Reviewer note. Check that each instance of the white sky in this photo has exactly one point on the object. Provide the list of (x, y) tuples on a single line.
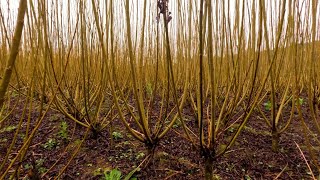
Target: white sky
[(9, 11)]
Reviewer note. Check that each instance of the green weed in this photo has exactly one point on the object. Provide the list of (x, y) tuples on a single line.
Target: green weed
[(177, 123), (140, 155), (112, 175), (8, 129), (63, 132), (117, 135), (50, 144), (39, 166), (267, 105)]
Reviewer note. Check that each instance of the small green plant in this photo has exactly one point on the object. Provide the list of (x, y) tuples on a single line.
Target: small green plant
[(4, 140), (42, 170), (117, 135), (22, 136), (231, 130), (301, 101), (177, 123), (140, 155), (267, 105), (149, 89), (216, 177), (14, 94), (39, 166), (114, 174), (27, 166), (50, 144), (247, 177), (8, 129), (63, 132)]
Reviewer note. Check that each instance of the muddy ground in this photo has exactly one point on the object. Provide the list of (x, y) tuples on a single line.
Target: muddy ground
[(175, 158)]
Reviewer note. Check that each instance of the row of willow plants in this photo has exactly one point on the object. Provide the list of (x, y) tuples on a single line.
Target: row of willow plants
[(19, 91), (94, 68), (30, 89)]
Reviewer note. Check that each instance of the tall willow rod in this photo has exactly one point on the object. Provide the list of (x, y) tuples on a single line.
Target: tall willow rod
[(14, 50)]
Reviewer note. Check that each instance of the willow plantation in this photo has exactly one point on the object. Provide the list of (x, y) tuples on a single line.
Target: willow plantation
[(159, 89)]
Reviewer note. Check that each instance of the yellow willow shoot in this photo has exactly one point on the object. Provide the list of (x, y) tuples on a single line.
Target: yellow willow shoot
[(132, 131), (275, 112), (313, 78), (29, 133), (137, 94), (83, 94), (237, 87), (13, 51), (313, 88), (148, 135)]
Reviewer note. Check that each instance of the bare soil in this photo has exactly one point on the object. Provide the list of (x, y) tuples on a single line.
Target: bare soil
[(175, 158)]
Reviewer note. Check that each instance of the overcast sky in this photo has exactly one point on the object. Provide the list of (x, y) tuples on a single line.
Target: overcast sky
[(178, 23)]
